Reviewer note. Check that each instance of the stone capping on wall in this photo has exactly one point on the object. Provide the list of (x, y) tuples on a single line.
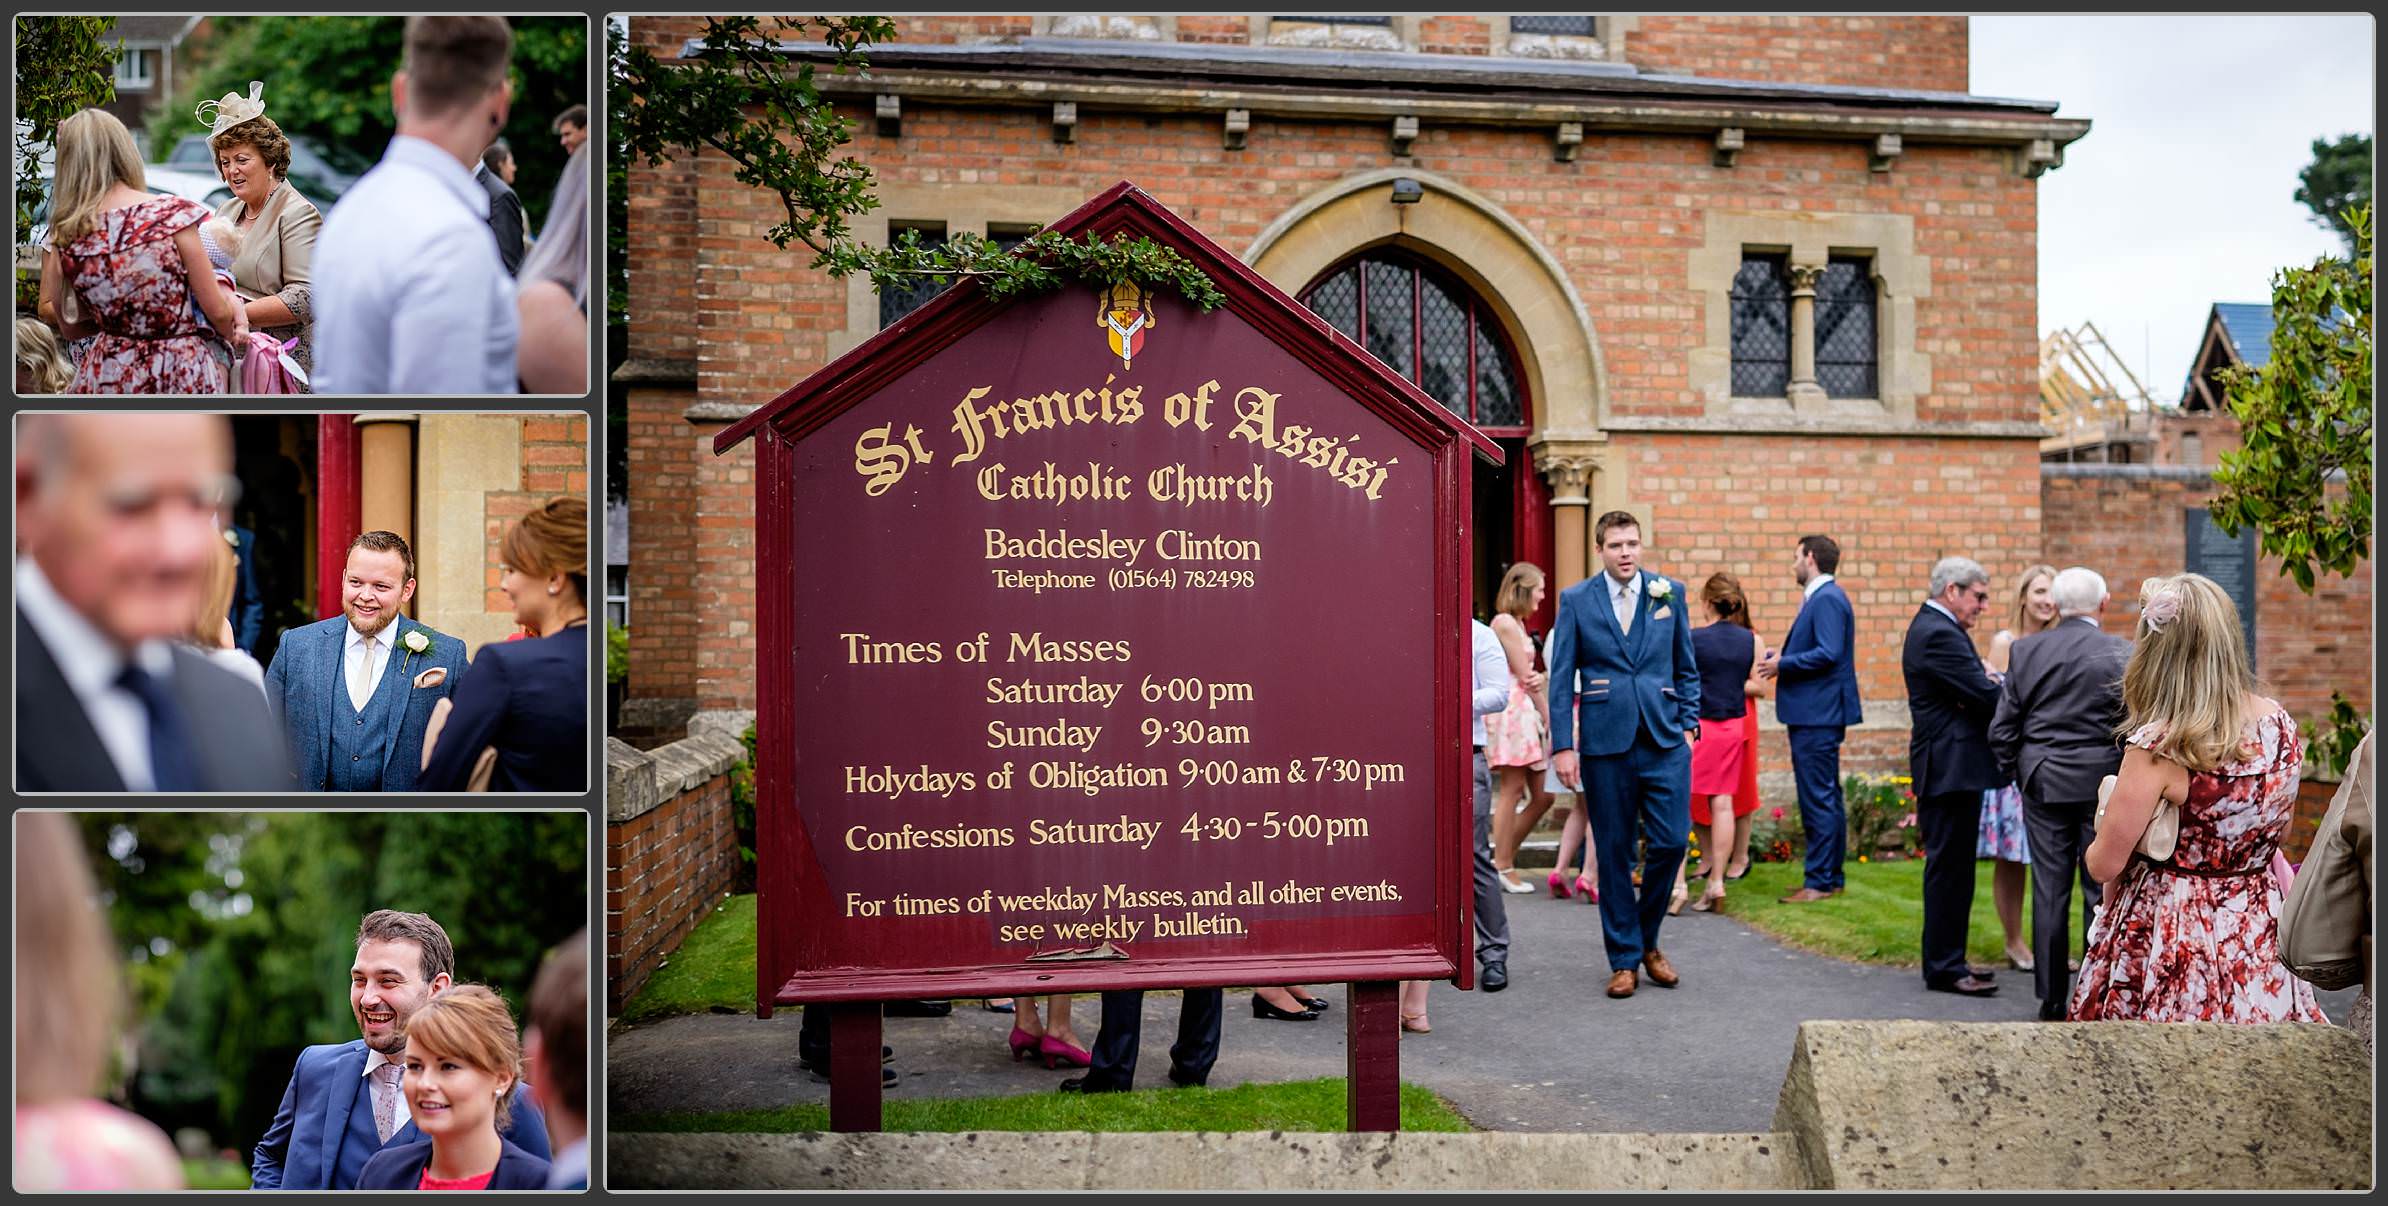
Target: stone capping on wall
[(638, 781), (654, 373), (1864, 1105), (2195, 475)]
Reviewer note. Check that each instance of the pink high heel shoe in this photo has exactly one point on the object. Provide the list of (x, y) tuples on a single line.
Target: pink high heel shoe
[(1590, 890), (1559, 889), (1025, 1044), (1059, 1054)]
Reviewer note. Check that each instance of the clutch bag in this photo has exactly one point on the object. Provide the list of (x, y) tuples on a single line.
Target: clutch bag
[(2163, 833)]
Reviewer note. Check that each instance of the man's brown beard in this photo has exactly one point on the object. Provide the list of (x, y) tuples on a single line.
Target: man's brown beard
[(389, 616)]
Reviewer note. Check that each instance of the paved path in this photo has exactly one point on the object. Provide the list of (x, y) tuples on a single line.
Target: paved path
[(1549, 1054)]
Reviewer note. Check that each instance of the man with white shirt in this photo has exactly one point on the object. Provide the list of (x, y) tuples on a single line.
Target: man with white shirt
[(117, 521), (1817, 702), (1951, 699), (1621, 649), (411, 296), (355, 692), (347, 1101), (1489, 693)]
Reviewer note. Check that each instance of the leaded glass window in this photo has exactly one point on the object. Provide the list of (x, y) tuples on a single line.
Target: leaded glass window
[(1429, 327), (1762, 327), (1565, 27), (1846, 350), (901, 299)]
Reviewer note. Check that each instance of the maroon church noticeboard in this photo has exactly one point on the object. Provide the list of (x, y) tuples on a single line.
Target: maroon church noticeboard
[(1103, 643)]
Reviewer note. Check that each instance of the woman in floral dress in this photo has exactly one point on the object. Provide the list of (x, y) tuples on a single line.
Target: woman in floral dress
[(124, 267), (2194, 938)]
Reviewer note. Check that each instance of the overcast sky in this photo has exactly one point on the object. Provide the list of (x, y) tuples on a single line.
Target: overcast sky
[(2183, 194)]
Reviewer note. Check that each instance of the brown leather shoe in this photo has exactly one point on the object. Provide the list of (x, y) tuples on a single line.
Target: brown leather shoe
[(1971, 986), (1807, 895), (1621, 983), (1662, 973)]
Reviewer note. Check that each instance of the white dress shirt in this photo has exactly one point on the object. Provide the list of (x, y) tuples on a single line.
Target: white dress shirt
[(351, 642), (410, 295), (90, 663), (1814, 584), (1623, 596), (1490, 692), (1936, 605)]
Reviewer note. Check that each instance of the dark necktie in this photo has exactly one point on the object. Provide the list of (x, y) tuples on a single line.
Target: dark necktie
[(172, 766)]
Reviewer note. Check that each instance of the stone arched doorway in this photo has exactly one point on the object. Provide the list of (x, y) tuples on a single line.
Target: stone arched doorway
[(1429, 326), (1524, 300)]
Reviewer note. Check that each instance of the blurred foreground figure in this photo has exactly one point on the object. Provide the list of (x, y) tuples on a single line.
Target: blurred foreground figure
[(117, 520), (66, 1007)]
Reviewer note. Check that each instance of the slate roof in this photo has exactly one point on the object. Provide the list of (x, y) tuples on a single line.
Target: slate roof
[(2250, 329), (149, 31)]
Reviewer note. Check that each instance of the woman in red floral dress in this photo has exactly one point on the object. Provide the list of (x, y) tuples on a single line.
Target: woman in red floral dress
[(124, 266), (2194, 938)]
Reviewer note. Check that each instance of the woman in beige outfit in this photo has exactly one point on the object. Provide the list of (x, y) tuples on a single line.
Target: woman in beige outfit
[(2325, 925), (277, 225)]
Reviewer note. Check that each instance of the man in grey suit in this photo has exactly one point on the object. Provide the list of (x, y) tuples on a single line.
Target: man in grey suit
[(2054, 735), (117, 520)]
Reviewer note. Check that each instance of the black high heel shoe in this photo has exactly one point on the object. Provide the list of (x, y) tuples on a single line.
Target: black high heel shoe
[(1314, 1004), (1262, 1009)]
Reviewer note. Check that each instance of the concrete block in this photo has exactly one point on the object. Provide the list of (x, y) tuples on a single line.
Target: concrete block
[(2087, 1105), (1255, 1160), (629, 782)]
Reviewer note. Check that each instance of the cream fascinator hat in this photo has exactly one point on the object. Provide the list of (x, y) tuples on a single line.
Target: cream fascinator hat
[(222, 115)]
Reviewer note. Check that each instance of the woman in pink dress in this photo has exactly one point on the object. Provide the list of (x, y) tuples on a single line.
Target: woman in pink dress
[(1515, 739), (2194, 938), (124, 267), (68, 1001)]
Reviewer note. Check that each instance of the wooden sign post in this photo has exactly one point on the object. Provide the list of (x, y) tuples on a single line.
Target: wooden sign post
[(1107, 644)]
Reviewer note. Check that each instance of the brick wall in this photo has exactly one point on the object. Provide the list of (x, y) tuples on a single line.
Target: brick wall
[(1927, 53), (671, 850), (555, 463), (2131, 527)]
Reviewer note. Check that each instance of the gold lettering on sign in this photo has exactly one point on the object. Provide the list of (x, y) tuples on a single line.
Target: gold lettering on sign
[(882, 462)]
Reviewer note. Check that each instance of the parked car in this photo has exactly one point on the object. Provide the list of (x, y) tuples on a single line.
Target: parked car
[(316, 175), (164, 181)]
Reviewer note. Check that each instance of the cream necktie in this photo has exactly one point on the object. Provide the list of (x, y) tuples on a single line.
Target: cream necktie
[(360, 674), (385, 1100), (1623, 601)]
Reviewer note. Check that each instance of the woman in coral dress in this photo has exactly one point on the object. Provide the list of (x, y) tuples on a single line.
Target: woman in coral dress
[(125, 267), (2194, 938)]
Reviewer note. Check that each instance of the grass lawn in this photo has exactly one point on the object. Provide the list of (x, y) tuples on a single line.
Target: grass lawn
[(1307, 1105), (712, 972), (212, 1173), (1879, 919)]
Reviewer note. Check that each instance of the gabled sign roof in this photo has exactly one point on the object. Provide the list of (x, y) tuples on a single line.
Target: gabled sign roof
[(1122, 209)]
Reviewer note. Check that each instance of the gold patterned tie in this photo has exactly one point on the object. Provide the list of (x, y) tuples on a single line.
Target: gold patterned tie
[(385, 1100)]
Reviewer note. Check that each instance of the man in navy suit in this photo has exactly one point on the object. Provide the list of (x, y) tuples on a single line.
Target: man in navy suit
[(248, 610), (355, 692), (1953, 700), (1817, 702), (344, 1102), (1622, 642)]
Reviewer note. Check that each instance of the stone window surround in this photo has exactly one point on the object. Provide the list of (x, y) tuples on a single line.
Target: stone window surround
[(964, 208), (1900, 278), (1070, 25)]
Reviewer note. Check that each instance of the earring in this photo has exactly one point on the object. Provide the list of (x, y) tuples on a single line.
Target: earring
[(553, 591)]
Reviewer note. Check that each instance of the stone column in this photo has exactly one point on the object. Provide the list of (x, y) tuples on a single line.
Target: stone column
[(386, 479), (1804, 389), (1569, 479)]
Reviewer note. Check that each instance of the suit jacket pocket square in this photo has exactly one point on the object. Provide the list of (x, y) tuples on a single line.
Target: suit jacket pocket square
[(432, 677), (1662, 613)]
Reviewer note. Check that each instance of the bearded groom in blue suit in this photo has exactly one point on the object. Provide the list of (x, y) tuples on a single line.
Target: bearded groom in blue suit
[(355, 692), (1622, 646)]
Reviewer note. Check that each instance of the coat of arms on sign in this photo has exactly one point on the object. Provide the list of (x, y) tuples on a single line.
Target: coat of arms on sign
[(1126, 314)]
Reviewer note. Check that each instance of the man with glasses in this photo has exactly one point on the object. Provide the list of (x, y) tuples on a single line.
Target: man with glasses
[(1952, 698), (118, 518)]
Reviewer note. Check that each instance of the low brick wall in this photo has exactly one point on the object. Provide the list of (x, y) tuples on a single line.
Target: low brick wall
[(671, 849)]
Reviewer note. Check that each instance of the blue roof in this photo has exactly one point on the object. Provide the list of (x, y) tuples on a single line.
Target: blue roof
[(2250, 329)]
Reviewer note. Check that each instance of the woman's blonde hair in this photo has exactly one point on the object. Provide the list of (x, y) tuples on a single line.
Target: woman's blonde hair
[(1516, 596), (471, 1024), (215, 599), (95, 153), (2188, 671), (2021, 622), (68, 997), (38, 352)]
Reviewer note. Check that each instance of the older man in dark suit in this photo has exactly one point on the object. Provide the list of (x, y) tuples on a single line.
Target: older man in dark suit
[(2054, 736), (116, 523), (1950, 699)]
